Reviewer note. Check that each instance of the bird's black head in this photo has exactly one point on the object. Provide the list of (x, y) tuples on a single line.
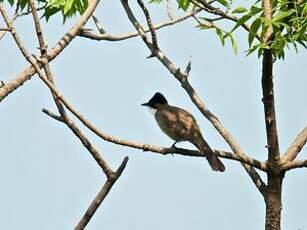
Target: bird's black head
[(156, 100)]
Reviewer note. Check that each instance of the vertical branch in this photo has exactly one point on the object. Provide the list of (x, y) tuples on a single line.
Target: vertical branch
[(44, 58), (150, 25), (268, 94), (273, 199), (269, 109)]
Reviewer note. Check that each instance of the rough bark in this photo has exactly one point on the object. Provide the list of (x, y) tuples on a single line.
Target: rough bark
[(273, 201)]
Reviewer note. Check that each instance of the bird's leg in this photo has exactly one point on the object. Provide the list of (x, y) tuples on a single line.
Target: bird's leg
[(174, 146)]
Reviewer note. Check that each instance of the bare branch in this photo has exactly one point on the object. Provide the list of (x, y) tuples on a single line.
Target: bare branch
[(52, 115), (101, 196), (150, 25), (44, 58), (20, 14), (295, 147), (294, 165), (206, 6), (98, 25), (5, 29), (169, 8), (153, 148), (28, 72), (108, 37), (102, 163), (182, 78)]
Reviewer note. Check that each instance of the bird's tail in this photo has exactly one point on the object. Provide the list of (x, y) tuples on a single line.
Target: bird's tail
[(214, 162)]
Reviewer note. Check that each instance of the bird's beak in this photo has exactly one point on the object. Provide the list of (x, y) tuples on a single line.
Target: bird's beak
[(145, 104)]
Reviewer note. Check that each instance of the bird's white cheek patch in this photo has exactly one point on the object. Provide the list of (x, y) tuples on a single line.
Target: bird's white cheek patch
[(152, 110)]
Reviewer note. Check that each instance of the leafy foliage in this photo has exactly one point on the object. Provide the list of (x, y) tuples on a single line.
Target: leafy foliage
[(288, 26), (68, 8)]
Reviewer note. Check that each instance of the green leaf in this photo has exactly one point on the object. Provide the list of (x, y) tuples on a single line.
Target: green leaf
[(49, 11), (233, 43), (223, 2), (241, 21), (220, 34), (68, 5), (255, 10), (251, 50), (155, 1), (23, 4), (283, 14), (239, 10), (253, 30), (11, 2), (183, 4)]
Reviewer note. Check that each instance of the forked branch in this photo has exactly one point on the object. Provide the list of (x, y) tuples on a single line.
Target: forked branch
[(183, 79), (101, 196)]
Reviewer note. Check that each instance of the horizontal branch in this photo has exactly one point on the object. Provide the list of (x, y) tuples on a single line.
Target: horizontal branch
[(295, 147), (108, 37), (153, 148)]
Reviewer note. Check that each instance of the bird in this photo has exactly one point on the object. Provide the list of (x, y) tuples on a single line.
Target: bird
[(180, 125)]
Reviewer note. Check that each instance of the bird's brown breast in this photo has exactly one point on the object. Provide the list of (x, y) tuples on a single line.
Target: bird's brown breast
[(177, 123)]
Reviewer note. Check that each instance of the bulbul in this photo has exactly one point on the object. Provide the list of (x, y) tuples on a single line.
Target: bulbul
[(180, 125)]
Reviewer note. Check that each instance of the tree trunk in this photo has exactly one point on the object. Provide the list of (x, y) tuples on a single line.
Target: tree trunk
[(273, 201)]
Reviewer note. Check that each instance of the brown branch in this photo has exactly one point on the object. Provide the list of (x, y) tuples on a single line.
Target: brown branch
[(294, 165), (169, 9), (155, 149), (206, 6), (44, 58), (108, 37), (101, 196), (28, 72), (98, 25), (269, 109), (182, 78), (147, 147), (295, 147), (20, 14), (268, 96), (102, 163), (150, 25)]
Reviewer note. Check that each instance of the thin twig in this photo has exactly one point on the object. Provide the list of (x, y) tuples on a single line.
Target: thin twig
[(182, 78), (206, 6), (295, 147), (109, 37), (101, 196), (150, 25), (98, 25), (20, 14), (44, 58), (28, 72), (102, 163), (169, 8)]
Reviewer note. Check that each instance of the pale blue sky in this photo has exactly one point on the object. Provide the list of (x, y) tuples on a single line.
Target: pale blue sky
[(48, 178)]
